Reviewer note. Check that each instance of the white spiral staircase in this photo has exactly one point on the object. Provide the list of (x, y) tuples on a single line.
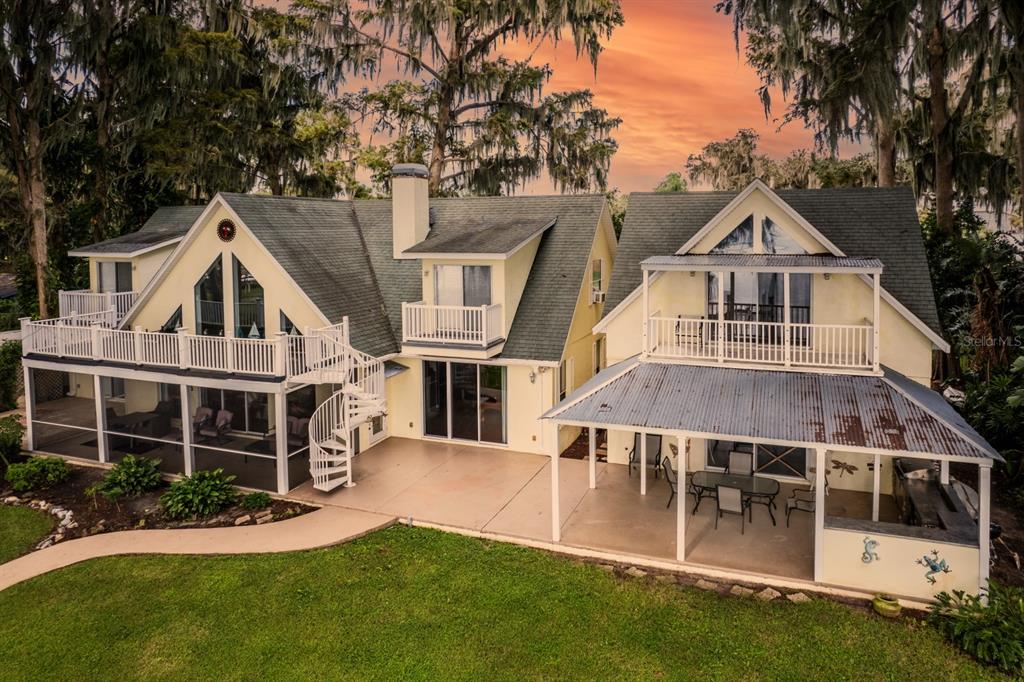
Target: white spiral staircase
[(359, 398)]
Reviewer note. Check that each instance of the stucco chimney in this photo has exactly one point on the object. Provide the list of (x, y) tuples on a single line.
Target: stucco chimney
[(410, 206)]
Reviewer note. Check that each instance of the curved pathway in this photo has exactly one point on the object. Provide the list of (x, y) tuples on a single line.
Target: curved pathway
[(324, 527)]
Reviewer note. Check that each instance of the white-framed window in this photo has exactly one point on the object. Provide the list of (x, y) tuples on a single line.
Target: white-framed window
[(565, 373), (597, 281)]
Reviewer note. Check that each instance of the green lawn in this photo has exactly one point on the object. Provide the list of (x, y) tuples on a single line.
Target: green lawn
[(20, 529), (410, 603)]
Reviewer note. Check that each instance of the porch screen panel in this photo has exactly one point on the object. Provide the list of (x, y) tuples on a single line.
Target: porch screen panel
[(435, 398), (493, 388)]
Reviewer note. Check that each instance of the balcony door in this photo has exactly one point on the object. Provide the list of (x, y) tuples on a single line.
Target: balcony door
[(462, 285), (464, 401), (115, 276)]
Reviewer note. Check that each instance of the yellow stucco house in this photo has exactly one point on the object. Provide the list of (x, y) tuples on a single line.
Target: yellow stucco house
[(758, 352)]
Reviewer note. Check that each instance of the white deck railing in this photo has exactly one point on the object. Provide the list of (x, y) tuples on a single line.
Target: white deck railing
[(830, 346), (452, 324), (83, 301)]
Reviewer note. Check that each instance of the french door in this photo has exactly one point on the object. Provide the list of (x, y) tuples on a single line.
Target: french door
[(464, 401)]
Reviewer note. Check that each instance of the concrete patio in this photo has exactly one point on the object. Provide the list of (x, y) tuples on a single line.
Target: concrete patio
[(508, 493)]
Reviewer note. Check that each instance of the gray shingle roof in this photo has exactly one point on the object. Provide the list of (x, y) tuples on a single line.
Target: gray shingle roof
[(484, 234), (166, 223), (887, 413), (876, 222), (340, 254)]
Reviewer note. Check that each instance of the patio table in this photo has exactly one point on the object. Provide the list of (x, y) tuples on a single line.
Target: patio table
[(758, 489)]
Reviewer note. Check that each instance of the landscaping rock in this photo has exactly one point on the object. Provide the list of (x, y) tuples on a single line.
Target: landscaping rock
[(665, 578), (798, 598), (740, 591), (608, 568), (243, 519), (768, 594), (265, 512), (260, 520), (636, 572), (707, 585), (13, 499)]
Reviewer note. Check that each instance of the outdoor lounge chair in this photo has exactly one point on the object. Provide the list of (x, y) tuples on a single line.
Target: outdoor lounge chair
[(219, 428), (800, 500), (653, 453), (202, 417), (731, 501), (671, 478), (740, 463)]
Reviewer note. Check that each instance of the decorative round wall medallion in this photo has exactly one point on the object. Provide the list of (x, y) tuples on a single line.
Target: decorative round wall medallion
[(226, 230)]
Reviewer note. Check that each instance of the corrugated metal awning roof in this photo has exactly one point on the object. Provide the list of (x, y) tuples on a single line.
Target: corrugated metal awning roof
[(829, 410), (763, 262)]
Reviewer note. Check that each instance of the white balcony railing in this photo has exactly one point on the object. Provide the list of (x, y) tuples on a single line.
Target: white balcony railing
[(84, 301), (830, 346), (451, 324)]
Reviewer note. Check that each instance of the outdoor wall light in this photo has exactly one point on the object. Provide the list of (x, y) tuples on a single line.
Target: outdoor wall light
[(533, 377), (828, 275)]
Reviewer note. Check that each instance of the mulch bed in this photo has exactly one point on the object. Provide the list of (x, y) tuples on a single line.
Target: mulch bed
[(90, 516)]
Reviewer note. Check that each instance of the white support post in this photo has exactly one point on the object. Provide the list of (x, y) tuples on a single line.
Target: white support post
[(94, 337), (137, 340), (183, 358), (876, 487), (281, 440), (684, 448), (281, 354), (186, 431), (944, 471), (593, 457), (819, 515), (647, 314), (483, 325), (643, 463), (556, 513), (101, 419), (721, 316), (30, 406), (787, 328), (875, 319), (984, 519)]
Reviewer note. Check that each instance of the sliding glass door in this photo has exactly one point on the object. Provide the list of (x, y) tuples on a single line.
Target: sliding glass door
[(464, 401)]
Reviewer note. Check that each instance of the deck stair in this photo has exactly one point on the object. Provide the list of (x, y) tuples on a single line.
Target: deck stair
[(359, 397)]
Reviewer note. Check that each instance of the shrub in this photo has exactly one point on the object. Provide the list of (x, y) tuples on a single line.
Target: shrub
[(993, 633), (130, 477), (37, 473), (204, 493), (256, 501), (11, 431), (10, 370)]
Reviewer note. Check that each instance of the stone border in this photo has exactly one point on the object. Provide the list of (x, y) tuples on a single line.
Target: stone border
[(65, 518)]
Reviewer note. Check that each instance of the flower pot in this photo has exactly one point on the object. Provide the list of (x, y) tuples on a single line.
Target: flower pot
[(886, 606)]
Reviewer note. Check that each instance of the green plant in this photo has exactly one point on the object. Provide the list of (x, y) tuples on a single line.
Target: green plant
[(202, 494), (11, 431), (993, 633), (256, 501), (132, 476), (37, 472), (10, 370)]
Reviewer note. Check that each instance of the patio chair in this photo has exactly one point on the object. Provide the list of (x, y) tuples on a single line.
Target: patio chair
[(114, 419), (740, 463), (731, 501), (800, 500), (298, 431), (671, 479), (219, 428), (653, 453), (200, 419)]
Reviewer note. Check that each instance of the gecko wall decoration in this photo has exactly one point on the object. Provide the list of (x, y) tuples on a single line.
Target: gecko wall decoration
[(934, 565), (870, 554)]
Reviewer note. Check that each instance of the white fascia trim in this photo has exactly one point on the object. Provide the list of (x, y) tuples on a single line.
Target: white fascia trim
[(182, 247), (406, 255), (509, 362), (121, 255), (153, 376), (602, 326), (937, 341)]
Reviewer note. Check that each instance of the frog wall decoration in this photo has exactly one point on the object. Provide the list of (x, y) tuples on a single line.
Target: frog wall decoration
[(935, 566)]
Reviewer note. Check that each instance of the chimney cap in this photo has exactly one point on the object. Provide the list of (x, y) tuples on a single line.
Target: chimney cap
[(409, 170)]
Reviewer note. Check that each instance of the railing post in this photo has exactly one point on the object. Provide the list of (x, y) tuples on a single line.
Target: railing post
[(483, 325), (137, 342), (183, 359), (60, 302), (58, 330), (229, 354), (874, 321), (787, 344), (26, 346), (94, 333), (721, 316), (405, 321), (647, 314), (281, 355)]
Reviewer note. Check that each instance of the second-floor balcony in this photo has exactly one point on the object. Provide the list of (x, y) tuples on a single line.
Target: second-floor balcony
[(86, 302), (470, 327)]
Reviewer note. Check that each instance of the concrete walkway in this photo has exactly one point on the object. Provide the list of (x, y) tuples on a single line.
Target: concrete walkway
[(324, 527)]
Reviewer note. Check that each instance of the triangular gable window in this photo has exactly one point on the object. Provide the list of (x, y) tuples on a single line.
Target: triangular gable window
[(740, 240), (172, 323), (777, 240)]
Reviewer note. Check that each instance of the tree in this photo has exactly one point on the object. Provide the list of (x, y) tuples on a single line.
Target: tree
[(730, 164), (1008, 71), (478, 118), (33, 76), (673, 182)]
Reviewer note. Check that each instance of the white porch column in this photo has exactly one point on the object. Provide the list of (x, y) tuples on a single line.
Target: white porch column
[(684, 449), (984, 519), (556, 513), (876, 487), (593, 457), (875, 320), (721, 315), (281, 440), (819, 515), (647, 314), (101, 418), (30, 405), (787, 321), (944, 471), (186, 431), (643, 463)]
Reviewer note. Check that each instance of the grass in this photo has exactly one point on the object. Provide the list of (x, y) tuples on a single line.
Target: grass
[(418, 604), (20, 529)]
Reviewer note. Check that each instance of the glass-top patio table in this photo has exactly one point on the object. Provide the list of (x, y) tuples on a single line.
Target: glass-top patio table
[(760, 490)]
